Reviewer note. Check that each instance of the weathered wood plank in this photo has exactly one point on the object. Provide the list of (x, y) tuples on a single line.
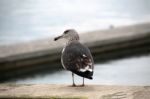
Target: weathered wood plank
[(53, 91)]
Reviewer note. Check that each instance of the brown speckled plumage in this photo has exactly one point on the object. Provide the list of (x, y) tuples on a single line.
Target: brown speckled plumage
[(76, 57)]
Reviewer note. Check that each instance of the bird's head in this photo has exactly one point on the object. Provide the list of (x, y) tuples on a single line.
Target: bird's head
[(69, 34)]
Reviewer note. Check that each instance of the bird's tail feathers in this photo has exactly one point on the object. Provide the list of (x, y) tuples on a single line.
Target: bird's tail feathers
[(86, 74)]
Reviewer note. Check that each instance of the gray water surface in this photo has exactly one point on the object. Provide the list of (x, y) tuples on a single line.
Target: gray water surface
[(128, 71), (26, 20)]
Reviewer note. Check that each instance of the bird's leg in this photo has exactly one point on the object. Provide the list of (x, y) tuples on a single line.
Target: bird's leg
[(73, 80), (83, 82)]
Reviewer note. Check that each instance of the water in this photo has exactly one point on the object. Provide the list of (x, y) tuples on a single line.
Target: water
[(128, 71), (26, 20)]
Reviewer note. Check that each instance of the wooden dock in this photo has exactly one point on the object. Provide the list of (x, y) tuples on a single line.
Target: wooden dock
[(107, 44), (53, 91)]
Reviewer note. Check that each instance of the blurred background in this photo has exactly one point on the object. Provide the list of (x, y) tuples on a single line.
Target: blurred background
[(28, 21), (35, 19)]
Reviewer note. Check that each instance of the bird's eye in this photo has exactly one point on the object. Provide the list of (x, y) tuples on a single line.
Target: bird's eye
[(66, 31)]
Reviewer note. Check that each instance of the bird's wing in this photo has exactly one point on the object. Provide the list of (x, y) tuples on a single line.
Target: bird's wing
[(77, 58)]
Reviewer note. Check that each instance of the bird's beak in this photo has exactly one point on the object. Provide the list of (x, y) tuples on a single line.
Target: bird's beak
[(56, 38)]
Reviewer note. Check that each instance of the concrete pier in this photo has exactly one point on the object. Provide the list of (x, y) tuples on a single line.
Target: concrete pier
[(107, 44), (53, 91)]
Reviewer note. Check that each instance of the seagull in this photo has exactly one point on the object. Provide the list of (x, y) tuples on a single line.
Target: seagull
[(76, 57)]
